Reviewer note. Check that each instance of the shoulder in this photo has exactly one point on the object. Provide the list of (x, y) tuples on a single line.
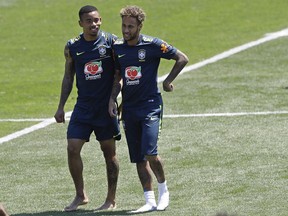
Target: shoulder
[(152, 40), (147, 39), (163, 45), (75, 39), (108, 36), (159, 44), (119, 41)]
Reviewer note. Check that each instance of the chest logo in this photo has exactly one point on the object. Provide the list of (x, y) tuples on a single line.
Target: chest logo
[(102, 50), (93, 70), (133, 74), (80, 53), (120, 56), (142, 54)]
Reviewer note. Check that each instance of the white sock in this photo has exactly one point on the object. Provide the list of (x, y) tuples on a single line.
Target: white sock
[(162, 187), (150, 198)]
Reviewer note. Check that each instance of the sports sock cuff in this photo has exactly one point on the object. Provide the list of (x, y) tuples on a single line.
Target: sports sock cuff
[(150, 197), (162, 187), (149, 194)]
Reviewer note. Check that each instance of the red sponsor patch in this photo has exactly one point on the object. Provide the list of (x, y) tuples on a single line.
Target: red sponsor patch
[(93, 68), (133, 72)]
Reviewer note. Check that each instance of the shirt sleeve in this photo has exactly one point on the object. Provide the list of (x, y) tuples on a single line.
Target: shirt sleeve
[(163, 49)]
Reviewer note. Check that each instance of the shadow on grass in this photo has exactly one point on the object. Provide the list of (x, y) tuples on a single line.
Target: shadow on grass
[(78, 212)]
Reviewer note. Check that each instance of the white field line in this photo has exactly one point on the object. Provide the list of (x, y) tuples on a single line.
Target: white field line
[(27, 130), (24, 120), (51, 120), (266, 38), (226, 54), (225, 114)]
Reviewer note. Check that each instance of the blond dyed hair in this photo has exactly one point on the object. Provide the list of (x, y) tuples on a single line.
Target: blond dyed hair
[(133, 11)]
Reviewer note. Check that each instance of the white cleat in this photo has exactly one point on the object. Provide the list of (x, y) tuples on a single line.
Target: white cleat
[(145, 208), (163, 201)]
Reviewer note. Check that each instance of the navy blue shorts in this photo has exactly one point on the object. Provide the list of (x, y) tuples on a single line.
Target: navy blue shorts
[(142, 129), (104, 127)]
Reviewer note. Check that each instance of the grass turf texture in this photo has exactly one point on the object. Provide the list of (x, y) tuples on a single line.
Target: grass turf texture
[(215, 164)]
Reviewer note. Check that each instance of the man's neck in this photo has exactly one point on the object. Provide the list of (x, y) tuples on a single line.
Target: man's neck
[(88, 37), (134, 42)]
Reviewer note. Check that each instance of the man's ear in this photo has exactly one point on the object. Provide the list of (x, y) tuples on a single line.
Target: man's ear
[(140, 26), (80, 24)]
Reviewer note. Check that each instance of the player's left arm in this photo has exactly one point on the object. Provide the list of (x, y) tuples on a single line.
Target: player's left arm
[(180, 61), (117, 86)]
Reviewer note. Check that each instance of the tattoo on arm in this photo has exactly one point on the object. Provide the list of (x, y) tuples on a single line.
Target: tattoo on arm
[(117, 85), (68, 79)]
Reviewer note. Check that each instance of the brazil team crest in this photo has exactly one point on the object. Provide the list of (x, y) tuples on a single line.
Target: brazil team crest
[(102, 50), (142, 54)]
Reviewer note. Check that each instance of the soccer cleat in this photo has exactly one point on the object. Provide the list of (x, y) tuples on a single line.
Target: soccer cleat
[(145, 208), (163, 201)]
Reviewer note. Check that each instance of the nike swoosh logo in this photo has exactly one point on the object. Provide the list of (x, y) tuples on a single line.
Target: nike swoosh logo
[(80, 53), (153, 118), (120, 56)]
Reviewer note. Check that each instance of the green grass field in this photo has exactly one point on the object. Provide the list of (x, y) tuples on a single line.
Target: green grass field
[(214, 164)]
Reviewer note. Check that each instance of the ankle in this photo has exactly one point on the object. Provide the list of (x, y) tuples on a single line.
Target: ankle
[(162, 187), (150, 198), (111, 202)]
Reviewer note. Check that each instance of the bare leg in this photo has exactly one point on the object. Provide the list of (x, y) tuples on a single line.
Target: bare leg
[(3, 211), (112, 168), (157, 168), (145, 176), (76, 171)]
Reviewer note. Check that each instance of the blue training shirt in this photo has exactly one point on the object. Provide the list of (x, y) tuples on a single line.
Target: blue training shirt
[(95, 69), (139, 69)]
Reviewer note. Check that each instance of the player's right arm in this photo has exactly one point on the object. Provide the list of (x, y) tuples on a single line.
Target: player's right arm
[(180, 61), (117, 86), (67, 85)]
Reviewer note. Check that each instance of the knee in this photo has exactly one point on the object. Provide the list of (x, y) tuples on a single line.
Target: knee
[(109, 150), (152, 158), (109, 155), (74, 147), (71, 150)]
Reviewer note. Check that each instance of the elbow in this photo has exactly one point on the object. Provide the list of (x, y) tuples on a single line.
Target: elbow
[(182, 58), (185, 59)]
